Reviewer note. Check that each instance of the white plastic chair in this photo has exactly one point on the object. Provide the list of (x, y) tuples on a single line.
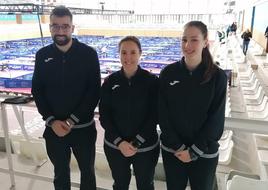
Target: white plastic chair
[(225, 140), (34, 149), (258, 108), (263, 156), (261, 141), (244, 183), (259, 115), (226, 154)]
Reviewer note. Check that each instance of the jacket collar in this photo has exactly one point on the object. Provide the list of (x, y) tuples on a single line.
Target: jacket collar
[(73, 47), (137, 74), (199, 70)]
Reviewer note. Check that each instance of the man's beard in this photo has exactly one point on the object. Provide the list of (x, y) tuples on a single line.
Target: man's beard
[(61, 40)]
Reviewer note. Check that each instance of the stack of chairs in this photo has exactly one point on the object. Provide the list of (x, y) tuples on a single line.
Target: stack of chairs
[(254, 95), (226, 143)]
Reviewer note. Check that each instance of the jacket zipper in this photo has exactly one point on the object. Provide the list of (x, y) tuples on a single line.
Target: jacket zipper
[(63, 71), (129, 94)]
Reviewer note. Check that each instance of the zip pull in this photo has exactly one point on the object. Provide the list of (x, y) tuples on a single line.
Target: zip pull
[(63, 59)]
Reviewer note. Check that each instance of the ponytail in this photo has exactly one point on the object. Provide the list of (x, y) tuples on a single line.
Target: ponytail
[(211, 67)]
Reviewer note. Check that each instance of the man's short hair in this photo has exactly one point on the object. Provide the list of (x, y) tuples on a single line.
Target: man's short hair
[(61, 11)]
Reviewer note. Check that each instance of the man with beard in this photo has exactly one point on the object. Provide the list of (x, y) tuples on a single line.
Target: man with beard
[(66, 87)]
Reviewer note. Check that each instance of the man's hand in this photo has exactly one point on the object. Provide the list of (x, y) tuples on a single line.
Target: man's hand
[(60, 128), (183, 156), (127, 149)]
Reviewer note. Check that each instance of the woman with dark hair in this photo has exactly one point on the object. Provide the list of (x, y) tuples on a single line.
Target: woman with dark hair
[(191, 113), (128, 113)]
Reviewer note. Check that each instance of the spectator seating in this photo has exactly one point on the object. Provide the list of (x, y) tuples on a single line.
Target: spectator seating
[(254, 95), (245, 183), (225, 152)]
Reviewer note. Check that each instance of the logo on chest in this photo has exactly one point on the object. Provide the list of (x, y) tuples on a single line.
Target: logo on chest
[(48, 59), (115, 86), (172, 83)]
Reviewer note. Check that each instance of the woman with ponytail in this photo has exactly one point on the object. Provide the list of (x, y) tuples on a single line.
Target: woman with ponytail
[(191, 113)]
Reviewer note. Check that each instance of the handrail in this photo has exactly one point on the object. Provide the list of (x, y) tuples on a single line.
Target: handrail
[(242, 124), (247, 125)]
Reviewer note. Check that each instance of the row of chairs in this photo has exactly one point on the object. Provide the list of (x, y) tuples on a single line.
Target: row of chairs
[(255, 101), (237, 180), (229, 55), (221, 55), (254, 95)]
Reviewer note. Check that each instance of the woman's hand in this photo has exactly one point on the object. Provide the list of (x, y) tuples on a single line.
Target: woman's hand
[(183, 156), (127, 149)]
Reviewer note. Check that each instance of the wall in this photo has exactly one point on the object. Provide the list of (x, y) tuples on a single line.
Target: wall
[(260, 23), (16, 31), (247, 18), (22, 19), (21, 31), (124, 32), (7, 19)]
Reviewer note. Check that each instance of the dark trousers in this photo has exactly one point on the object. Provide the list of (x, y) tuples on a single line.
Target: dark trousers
[(143, 166), (245, 46), (267, 44), (200, 173), (82, 143)]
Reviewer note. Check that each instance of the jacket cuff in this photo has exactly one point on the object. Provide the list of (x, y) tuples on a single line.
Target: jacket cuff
[(138, 141), (196, 150), (140, 138), (193, 155), (74, 119), (117, 141), (181, 148), (49, 121)]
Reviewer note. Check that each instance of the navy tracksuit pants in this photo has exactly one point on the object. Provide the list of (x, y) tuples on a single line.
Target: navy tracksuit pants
[(82, 143), (200, 173), (143, 165)]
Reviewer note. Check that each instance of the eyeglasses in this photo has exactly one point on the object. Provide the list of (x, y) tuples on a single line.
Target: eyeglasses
[(56, 28)]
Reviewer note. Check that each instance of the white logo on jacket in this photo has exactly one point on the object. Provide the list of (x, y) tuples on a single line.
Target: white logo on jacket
[(48, 59), (174, 82), (115, 86)]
